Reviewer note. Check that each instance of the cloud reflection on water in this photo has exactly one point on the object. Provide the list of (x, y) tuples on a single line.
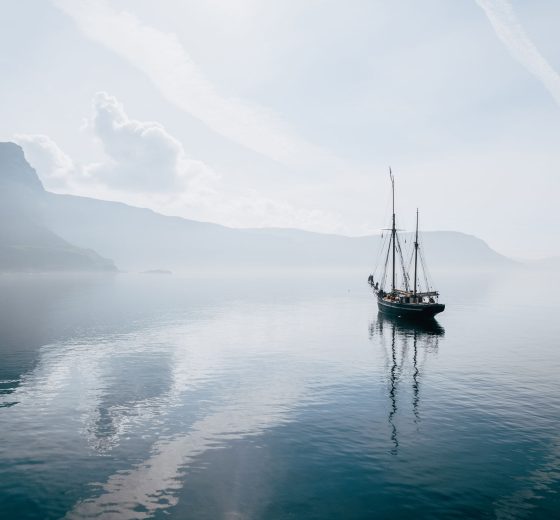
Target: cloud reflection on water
[(152, 485), (140, 383)]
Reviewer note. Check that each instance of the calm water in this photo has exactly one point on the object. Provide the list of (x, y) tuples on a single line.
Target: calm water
[(276, 398)]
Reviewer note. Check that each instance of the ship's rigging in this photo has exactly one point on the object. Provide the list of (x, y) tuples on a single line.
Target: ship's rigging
[(403, 295)]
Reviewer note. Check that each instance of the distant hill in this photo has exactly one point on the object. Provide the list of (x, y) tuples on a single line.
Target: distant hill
[(142, 240), (15, 171), (26, 243)]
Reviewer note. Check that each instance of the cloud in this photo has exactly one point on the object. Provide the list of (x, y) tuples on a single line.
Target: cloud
[(54, 166), (143, 158), (142, 155), (148, 167), (168, 65), (510, 31)]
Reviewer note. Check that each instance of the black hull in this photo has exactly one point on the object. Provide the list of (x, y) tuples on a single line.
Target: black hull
[(410, 311)]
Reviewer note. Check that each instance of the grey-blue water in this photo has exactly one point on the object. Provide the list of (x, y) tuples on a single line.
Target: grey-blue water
[(277, 397)]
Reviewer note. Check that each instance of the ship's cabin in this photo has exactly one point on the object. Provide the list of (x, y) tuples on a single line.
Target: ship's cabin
[(399, 296)]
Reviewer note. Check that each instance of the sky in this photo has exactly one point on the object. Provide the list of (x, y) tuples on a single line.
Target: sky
[(288, 113)]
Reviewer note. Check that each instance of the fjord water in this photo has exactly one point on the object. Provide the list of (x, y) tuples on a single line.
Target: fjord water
[(277, 397)]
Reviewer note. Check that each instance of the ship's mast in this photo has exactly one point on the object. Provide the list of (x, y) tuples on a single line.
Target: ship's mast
[(416, 252), (393, 229)]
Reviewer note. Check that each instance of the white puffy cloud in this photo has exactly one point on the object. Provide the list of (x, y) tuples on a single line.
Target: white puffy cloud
[(142, 155), (148, 167), (151, 166), (53, 165)]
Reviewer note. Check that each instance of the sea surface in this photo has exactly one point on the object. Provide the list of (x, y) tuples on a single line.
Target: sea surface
[(277, 397)]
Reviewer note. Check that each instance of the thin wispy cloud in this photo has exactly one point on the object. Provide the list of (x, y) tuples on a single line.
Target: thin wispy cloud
[(163, 58), (511, 32)]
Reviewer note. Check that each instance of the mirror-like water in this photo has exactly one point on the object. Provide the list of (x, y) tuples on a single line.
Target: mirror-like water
[(281, 397)]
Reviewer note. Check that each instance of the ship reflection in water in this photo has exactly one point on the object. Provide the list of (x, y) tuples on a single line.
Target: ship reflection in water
[(407, 344)]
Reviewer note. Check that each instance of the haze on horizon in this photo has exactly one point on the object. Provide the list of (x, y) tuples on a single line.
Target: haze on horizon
[(287, 114)]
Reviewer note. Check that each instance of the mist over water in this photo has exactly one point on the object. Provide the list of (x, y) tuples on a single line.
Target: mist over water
[(283, 396)]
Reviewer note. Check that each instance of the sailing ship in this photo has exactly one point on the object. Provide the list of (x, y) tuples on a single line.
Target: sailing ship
[(406, 301)]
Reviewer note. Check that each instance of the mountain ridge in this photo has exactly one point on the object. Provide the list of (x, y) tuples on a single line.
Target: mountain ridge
[(140, 239), (175, 243), (26, 243)]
